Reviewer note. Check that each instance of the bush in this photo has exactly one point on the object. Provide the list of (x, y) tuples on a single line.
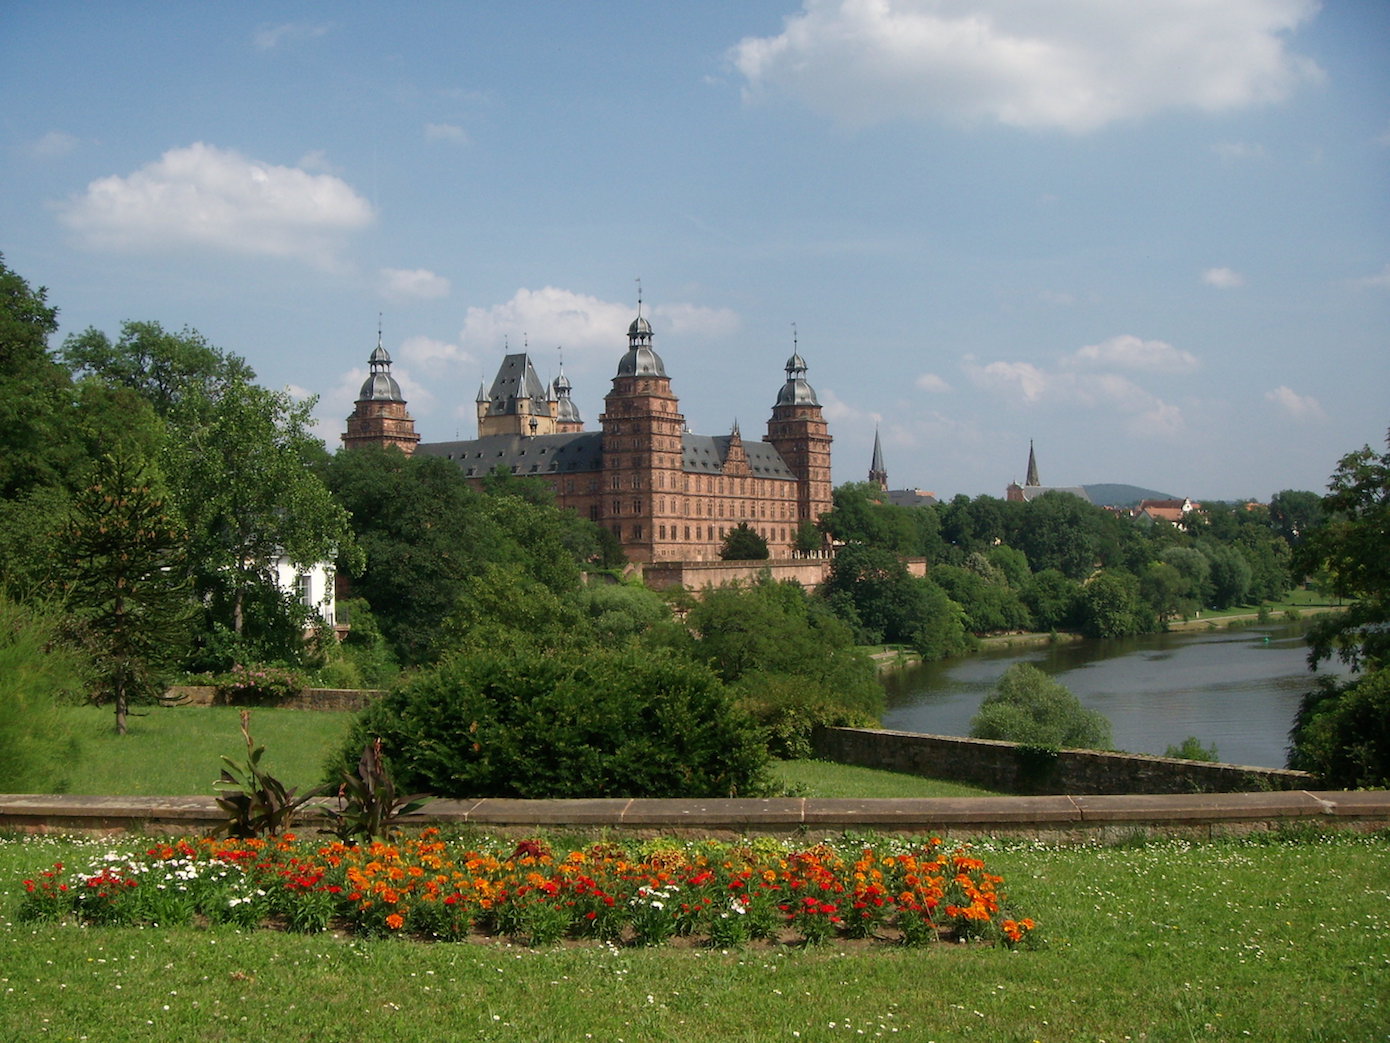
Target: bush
[(1029, 707), (38, 672), (522, 722), (259, 685), (1342, 732), (1191, 749)]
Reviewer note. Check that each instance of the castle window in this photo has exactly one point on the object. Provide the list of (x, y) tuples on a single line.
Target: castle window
[(636, 506), (637, 532), (687, 532), (593, 512), (663, 532), (617, 507)]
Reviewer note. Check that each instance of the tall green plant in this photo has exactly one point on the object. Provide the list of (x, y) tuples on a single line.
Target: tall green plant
[(256, 802), (38, 672)]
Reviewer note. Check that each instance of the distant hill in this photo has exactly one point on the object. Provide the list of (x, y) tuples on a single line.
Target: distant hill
[(1115, 495)]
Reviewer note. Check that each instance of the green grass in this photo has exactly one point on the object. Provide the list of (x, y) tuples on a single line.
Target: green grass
[(826, 779), (178, 750), (1275, 941)]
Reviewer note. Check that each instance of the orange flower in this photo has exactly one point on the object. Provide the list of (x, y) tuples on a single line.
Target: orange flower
[(394, 921)]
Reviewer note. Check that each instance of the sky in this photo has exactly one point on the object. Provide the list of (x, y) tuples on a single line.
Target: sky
[(1153, 237)]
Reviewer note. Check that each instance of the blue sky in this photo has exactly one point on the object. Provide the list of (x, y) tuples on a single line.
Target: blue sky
[(1152, 236)]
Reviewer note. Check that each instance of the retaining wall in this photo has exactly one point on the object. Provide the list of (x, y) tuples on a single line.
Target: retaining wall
[(308, 699), (1014, 768), (1061, 819)]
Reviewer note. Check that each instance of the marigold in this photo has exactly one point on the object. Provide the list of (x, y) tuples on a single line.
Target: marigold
[(394, 921)]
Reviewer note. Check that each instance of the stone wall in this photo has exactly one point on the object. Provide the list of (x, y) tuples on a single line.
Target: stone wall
[(696, 575), (1012, 768), (308, 699)]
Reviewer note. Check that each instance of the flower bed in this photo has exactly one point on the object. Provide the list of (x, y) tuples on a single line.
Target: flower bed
[(722, 894)]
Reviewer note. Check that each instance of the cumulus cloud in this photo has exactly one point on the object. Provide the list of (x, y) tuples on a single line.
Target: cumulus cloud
[(419, 284), (932, 382), (269, 37), (433, 355), (1130, 352), (1223, 278), (1294, 405), (54, 145), (445, 132), (1074, 65), (552, 316), (204, 196), (1136, 409)]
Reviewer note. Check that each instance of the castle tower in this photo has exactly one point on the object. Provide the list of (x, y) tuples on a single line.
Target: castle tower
[(642, 452), (878, 474), (566, 413), (799, 432), (379, 416), (518, 402)]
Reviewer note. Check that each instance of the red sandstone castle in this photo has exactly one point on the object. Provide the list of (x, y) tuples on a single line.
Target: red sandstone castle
[(667, 494)]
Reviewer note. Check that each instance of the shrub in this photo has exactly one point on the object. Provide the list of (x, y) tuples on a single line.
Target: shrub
[(1191, 749), (522, 722), (1029, 707), (1342, 732), (259, 685), (38, 671)]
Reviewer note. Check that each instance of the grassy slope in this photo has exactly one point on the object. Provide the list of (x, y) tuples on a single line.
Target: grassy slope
[(177, 750), (1282, 941)]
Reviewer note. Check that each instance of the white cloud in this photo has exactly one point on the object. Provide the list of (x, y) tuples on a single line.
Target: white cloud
[(54, 145), (445, 132), (552, 317), (1379, 281), (932, 382), (434, 355), (1296, 406), (413, 284), (1076, 65), (1139, 411), (1235, 151), (1130, 352), (205, 196), (1223, 278), (269, 37)]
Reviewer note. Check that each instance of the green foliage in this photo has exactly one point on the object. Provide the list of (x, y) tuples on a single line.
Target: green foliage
[(743, 544), (39, 671), (1110, 606), (872, 591), (1191, 749), (259, 684), (988, 603), (1350, 550), (256, 803), (792, 663), (860, 516), (1029, 707), (1342, 732), (526, 723), (368, 807), (128, 578), (504, 606), (942, 630), (1052, 598), (618, 611)]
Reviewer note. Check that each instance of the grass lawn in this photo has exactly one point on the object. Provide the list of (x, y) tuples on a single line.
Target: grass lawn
[(1281, 940), (827, 779), (178, 750)]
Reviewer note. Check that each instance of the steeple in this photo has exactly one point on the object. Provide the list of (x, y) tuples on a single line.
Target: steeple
[(379, 416), (1032, 477), (878, 474)]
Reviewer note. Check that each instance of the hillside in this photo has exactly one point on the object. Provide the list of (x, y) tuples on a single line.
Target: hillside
[(1114, 494)]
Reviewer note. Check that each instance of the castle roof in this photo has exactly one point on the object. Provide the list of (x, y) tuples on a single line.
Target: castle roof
[(380, 386), (516, 380)]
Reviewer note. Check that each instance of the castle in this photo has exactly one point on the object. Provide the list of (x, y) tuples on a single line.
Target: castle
[(666, 494)]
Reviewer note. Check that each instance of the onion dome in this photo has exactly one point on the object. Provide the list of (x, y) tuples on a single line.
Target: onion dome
[(380, 386), (796, 391), (640, 360)]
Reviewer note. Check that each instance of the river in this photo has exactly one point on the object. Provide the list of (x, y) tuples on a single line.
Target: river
[(1238, 689)]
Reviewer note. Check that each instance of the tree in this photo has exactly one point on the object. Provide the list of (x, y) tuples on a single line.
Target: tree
[(128, 578), (33, 389), (1056, 531), (1342, 731), (247, 494), (39, 671), (1029, 707), (809, 539), (860, 515), (1294, 513), (1110, 605), (872, 589), (743, 544), (941, 631)]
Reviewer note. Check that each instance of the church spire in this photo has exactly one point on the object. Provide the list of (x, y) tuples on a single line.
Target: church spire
[(1032, 476), (878, 473)]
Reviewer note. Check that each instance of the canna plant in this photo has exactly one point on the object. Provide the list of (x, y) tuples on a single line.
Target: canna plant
[(256, 802), (368, 808)]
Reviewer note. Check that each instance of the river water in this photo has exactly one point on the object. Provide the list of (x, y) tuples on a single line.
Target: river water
[(1238, 689)]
